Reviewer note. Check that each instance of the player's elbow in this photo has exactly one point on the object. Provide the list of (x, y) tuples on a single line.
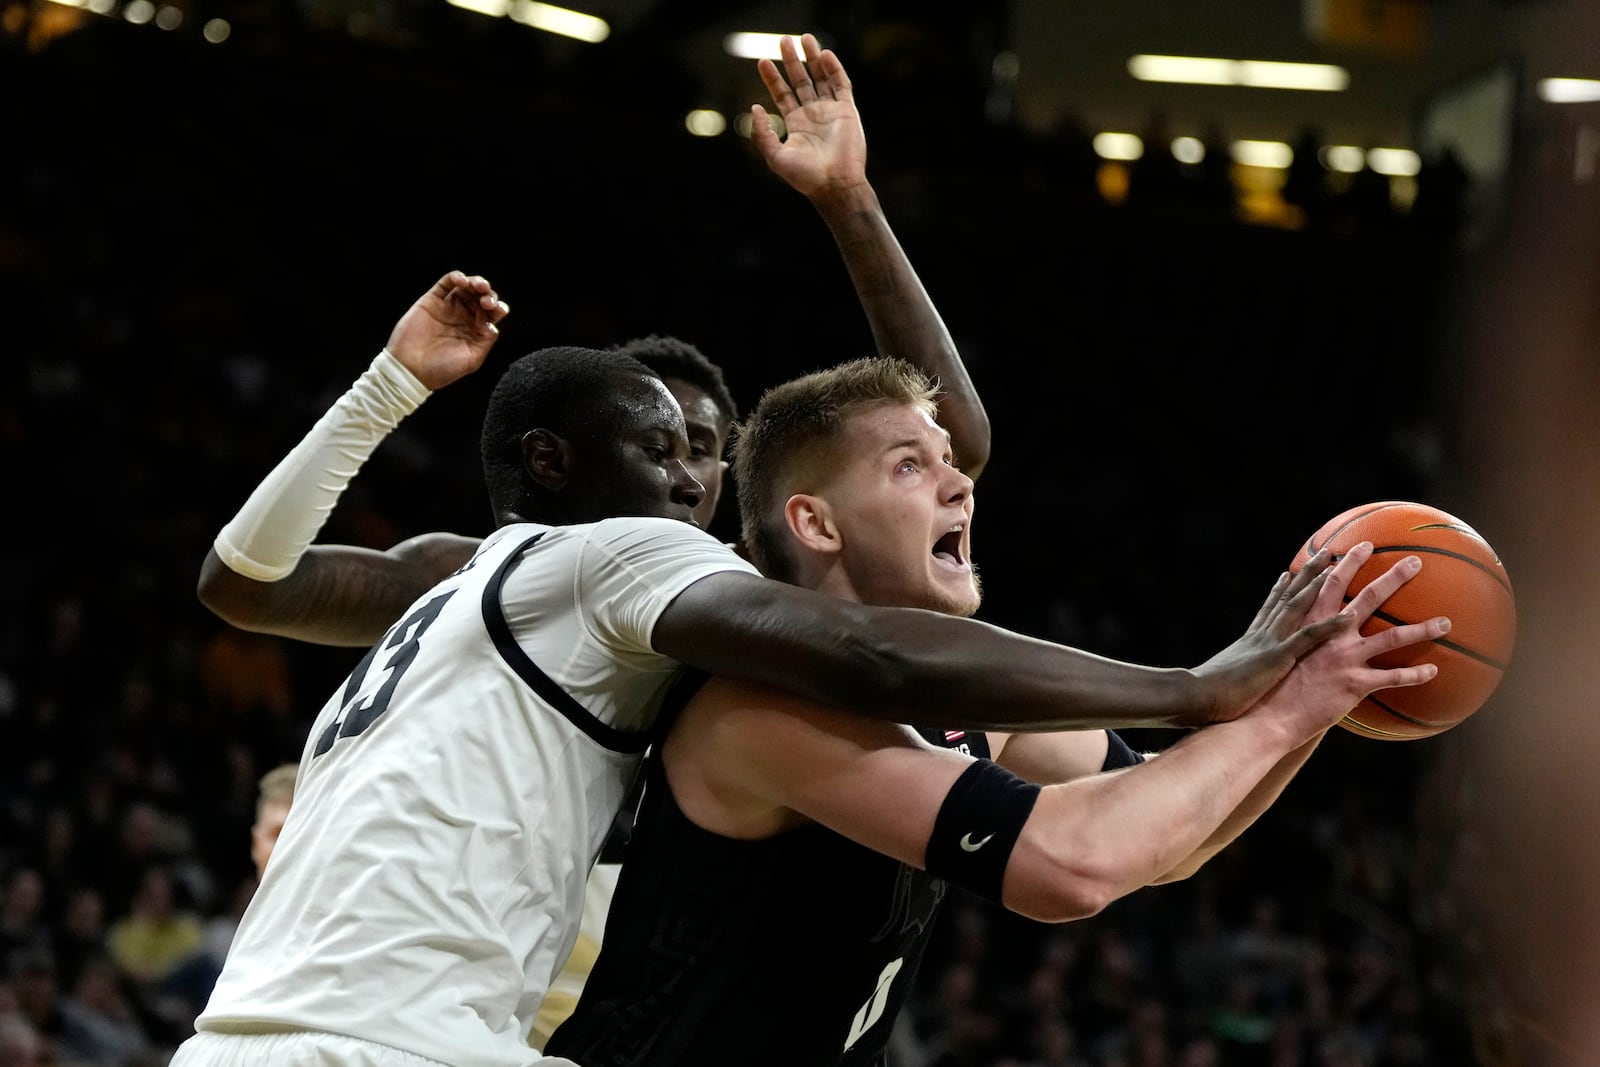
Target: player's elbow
[(1049, 879), (230, 596), (1059, 895), (1066, 869)]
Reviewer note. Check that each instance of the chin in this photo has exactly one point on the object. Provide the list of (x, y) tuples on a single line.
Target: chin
[(961, 603)]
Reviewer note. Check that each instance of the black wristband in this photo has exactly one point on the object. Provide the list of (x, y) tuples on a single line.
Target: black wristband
[(978, 826)]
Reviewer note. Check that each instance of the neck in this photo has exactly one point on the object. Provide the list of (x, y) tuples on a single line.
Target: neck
[(830, 578)]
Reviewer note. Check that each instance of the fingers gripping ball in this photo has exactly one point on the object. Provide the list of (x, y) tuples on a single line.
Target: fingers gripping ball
[(1461, 577)]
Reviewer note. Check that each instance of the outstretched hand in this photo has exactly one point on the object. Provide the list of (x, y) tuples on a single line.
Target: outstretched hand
[(826, 145), (1285, 629), (1337, 675), (448, 332)]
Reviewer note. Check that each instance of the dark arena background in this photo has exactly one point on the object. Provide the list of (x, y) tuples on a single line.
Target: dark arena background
[(1196, 341)]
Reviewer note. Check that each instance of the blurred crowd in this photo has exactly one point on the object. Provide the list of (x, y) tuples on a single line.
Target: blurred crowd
[(1178, 400)]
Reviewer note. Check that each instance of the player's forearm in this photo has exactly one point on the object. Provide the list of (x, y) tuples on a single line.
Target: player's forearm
[(1093, 840), (258, 574), (1259, 799), (335, 596), (904, 321), (922, 668)]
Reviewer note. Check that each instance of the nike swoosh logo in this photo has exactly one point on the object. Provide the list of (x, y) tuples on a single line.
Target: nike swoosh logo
[(969, 845)]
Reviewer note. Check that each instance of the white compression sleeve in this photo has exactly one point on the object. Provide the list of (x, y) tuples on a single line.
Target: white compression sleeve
[(266, 539)]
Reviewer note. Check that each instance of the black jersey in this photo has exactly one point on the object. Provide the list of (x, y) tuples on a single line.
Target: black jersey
[(792, 951)]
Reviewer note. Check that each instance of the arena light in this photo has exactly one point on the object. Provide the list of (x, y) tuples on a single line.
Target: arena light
[(704, 122), (493, 8), (1274, 155), (1250, 73), (216, 31), (1188, 149), (1309, 77), (1121, 146), (1342, 158), (1394, 162), (1190, 70), (1569, 90), (560, 20), (758, 45), (139, 12)]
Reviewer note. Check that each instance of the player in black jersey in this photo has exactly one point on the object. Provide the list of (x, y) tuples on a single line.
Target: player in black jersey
[(788, 859)]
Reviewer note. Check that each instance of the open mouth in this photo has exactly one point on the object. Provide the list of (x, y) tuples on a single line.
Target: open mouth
[(948, 547)]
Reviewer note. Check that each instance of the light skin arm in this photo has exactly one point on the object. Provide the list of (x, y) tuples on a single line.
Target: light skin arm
[(347, 595), (824, 158), (1049, 758), (749, 761)]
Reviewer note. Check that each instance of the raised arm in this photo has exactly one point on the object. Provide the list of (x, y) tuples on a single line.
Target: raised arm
[(933, 670), (262, 573), (824, 157)]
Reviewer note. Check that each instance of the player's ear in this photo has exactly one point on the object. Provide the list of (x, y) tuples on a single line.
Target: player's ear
[(810, 522), (547, 458)]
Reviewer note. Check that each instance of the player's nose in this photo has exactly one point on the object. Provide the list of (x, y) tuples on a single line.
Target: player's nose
[(686, 488)]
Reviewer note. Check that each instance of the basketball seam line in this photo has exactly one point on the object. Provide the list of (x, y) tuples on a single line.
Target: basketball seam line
[(1402, 716), (1487, 661)]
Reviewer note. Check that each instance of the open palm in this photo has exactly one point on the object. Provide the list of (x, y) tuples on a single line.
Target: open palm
[(826, 145)]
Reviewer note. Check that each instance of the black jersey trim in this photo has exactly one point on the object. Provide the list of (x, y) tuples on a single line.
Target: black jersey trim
[(494, 618)]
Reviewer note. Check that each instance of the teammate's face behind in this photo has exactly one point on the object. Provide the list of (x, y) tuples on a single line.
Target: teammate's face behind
[(270, 817), (707, 428), (892, 523), (634, 463)]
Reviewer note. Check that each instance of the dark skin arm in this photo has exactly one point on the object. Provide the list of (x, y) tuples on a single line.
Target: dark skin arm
[(824, 158), (927, 669), (340, 594)]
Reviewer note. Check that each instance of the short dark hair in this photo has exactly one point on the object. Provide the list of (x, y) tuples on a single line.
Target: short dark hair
[(795, 431), (670, 357), (567, 390)]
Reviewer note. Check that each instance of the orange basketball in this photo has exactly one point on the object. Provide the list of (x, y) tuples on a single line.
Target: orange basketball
[(1461, 577)]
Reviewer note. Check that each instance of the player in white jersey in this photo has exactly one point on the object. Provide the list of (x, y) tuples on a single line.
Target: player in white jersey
[(481, 820)]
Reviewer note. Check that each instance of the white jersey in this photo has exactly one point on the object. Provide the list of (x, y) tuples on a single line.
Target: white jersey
[(454, 794)]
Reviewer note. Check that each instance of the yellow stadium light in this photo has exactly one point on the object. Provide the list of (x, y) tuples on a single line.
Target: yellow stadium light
[(704, 122), (1251, 73), (759, 45), (1188, 149), (1118, 146), (1569, 90), (560, 20), (1342, 158), (1274, 155), (1311, 77), (1394, 162)]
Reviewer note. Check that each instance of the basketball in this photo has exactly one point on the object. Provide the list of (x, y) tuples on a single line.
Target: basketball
[(1461, 577)]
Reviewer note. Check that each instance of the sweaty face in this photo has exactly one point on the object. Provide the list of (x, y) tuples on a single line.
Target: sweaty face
[(708, 439), (904, 513), (640, 469)]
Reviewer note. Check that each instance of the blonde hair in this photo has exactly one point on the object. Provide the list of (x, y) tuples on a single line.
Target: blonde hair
[(277, 786), (794, 432)]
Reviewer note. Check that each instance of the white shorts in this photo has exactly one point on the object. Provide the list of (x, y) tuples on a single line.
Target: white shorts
[(307, 1048)]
